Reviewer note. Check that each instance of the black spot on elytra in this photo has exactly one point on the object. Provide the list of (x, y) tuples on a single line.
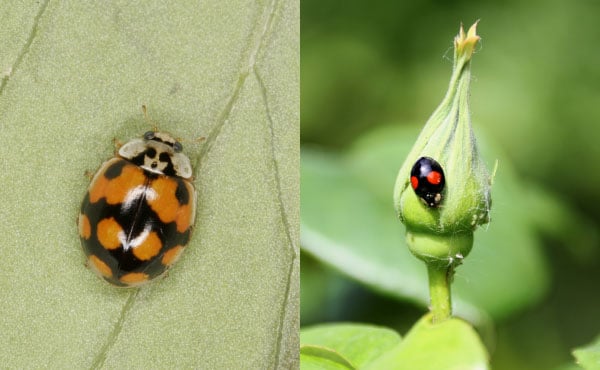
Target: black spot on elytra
[(114, 170), (182, 194)]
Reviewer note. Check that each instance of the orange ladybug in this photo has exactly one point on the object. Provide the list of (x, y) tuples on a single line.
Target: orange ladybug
[(138, 213)]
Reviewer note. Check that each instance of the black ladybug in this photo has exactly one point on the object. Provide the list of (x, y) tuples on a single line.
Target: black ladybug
[(427, 180)]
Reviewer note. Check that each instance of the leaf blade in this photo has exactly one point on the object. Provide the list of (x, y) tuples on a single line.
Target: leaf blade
[(86, 74)]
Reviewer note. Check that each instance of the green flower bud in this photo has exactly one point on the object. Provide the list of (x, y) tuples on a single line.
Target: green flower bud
[(443, 232)]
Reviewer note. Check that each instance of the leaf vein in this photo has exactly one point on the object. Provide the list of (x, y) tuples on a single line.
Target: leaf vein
[(246, 69), (284, 219), (25, 49), (292, 245), (114, 334)]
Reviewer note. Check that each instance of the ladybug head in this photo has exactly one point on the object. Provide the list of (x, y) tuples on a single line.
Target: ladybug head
[(158, 152)]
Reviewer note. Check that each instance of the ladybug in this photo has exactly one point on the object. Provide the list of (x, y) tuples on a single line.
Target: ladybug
[(427, 180), (138, 212)]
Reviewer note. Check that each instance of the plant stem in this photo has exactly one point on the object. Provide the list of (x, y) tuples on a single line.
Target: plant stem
[(439, 291)]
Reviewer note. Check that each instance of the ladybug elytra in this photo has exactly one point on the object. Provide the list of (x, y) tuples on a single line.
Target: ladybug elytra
[(427, 180)]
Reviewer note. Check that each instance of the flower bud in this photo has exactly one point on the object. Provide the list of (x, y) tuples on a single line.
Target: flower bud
[(441, 210)]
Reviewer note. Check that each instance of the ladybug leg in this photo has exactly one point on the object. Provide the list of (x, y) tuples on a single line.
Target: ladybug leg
[(118, 143), (148, 119), (195, 141), (86, 264), (89, 174), (198, 139)]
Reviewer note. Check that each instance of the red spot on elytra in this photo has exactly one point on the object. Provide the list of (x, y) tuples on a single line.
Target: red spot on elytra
[(414, 182), (434, 177)]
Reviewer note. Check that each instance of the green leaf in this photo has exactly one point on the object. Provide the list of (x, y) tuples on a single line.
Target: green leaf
[(351, 226), (322, 358), (589, 356), (450, 345), (350, 346), (79, 73), (346, 227)]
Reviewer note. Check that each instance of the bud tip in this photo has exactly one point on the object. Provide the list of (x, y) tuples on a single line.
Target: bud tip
[(464, 44)]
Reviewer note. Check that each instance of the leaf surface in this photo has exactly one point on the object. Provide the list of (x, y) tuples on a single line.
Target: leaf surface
[(79, 73), (450, 345), (347, 345), (588, 357)]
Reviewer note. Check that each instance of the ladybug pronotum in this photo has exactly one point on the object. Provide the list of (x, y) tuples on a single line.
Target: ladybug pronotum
[(427, 180), (138, 213)]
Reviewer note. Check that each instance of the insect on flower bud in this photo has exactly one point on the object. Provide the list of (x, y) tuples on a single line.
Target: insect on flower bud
[(442, 191)]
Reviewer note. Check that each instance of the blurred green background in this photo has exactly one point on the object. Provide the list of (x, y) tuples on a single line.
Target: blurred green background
[(372, 73)]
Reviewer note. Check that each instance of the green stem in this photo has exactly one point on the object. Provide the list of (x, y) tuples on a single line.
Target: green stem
[(439, 291)]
